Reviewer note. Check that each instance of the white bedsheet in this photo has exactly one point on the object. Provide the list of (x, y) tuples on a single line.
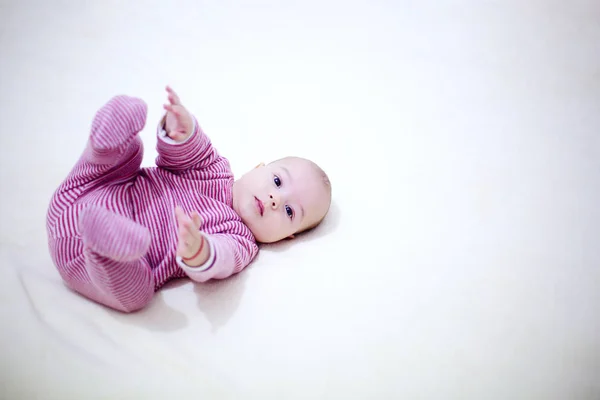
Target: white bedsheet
[(460, 259)]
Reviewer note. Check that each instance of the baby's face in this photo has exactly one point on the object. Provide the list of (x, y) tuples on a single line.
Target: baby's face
[(280, 199)]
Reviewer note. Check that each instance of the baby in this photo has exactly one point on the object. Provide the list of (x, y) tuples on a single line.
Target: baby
[(118, 232)]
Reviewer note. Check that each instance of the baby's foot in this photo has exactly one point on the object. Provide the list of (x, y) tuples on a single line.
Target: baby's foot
[(115, 125), (113, 236)]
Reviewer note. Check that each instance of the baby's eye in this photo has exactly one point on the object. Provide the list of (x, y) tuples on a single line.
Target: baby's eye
[(289, 211), (277, 181)]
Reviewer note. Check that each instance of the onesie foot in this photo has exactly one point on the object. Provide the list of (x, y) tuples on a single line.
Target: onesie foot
[(113, 236), (114, 126)]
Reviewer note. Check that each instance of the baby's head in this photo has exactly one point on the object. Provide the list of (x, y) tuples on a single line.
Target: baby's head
[(283, 198)]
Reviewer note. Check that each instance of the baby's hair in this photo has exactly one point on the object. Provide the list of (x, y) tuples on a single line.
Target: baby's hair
[(326, 183)]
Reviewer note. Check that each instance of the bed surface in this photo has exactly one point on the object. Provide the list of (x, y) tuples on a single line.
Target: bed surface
[(460, 258)]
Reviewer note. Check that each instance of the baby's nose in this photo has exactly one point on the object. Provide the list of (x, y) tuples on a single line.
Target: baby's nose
[(274, 200)]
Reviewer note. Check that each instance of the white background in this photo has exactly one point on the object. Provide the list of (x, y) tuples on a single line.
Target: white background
[(460, 259)]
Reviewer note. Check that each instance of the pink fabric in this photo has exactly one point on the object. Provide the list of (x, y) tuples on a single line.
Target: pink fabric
[(111, 225)]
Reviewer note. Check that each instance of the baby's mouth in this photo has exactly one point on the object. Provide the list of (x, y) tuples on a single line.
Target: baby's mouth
[(259, 204)]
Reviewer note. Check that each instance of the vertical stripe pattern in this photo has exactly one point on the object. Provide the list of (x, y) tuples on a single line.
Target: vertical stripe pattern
[(111, 225)]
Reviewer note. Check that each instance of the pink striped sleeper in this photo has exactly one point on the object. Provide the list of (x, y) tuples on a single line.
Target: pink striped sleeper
[(111, 224)]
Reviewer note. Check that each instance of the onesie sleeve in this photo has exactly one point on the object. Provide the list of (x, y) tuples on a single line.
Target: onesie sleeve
[(229, 254), (194, 153)]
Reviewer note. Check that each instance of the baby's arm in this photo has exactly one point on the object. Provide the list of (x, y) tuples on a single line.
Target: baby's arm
[(216, 256), (182, 145), (228, 255)]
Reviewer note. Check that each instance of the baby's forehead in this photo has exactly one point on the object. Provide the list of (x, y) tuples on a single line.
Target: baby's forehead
[(307, 175), (297, 166)]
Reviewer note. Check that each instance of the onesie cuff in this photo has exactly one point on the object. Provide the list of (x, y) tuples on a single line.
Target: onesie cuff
[(162, 132), (204, 267)]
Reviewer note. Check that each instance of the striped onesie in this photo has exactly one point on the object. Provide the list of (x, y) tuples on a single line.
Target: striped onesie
[(111, 225)]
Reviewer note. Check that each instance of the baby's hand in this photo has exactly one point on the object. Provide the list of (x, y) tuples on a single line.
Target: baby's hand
[(192, 246), (179, 122)]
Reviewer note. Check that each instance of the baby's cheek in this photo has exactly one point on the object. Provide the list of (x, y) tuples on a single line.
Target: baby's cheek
[(269, 225)]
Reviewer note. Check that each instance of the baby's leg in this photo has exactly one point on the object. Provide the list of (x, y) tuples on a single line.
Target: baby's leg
[(100, 253), (108, 265), (113, 154)]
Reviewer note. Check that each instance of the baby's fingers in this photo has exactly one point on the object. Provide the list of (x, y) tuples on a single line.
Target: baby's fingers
[(189, 228), (180, 215), (186, 242), (173, 97), (175, 110), (184, 223), (174, 100), (196, 219)]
